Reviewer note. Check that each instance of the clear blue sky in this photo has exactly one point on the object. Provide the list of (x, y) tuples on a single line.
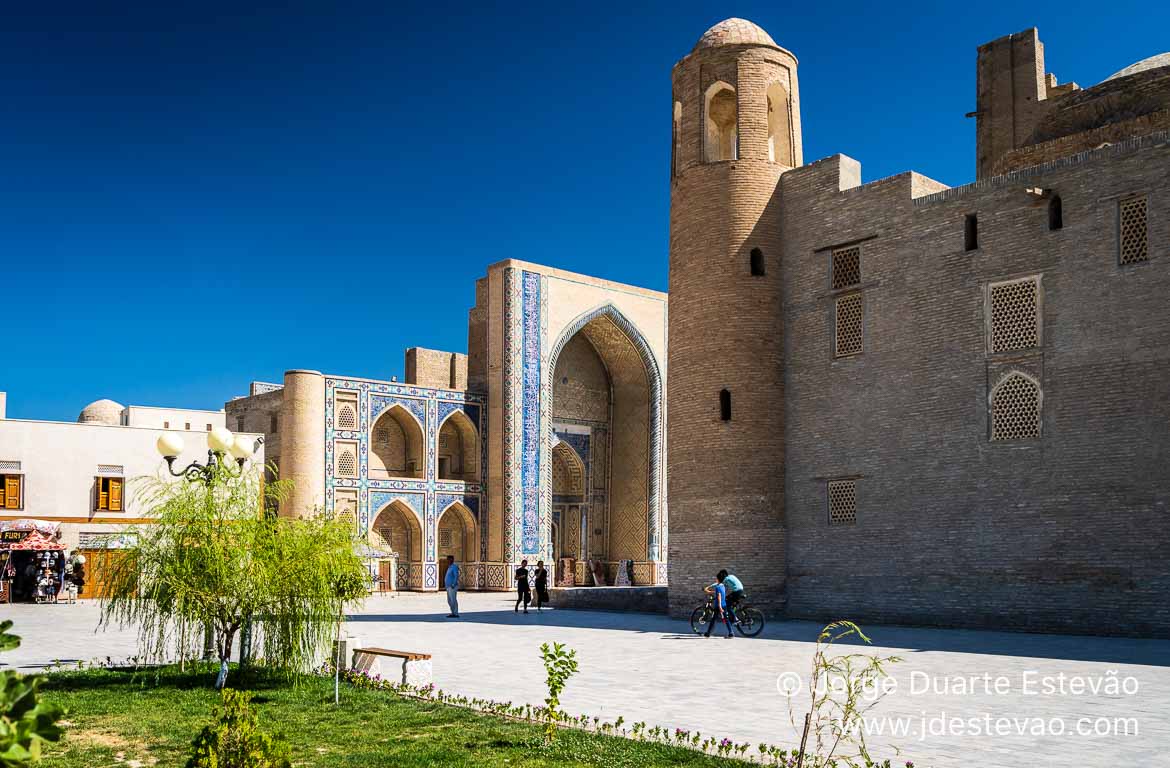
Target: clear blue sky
[(194, 195)]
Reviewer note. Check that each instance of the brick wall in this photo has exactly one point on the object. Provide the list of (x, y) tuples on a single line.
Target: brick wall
[(433, 368), (1065, 532)]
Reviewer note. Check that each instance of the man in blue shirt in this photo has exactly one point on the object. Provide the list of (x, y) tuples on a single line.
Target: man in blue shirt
[(721, 610), (451, 582)]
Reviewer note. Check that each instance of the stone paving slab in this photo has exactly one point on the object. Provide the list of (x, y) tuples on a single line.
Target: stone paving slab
[(646, 667)]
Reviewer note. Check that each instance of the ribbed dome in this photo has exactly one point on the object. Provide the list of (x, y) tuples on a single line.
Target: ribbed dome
[(734, 32), (1154, 62), (101, 412)]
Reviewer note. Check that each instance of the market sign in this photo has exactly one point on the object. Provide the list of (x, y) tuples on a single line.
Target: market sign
[(12, 537)]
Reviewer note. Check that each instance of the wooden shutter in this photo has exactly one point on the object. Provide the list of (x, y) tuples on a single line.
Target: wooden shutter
[(2, 491), (103, 498), (12, 492), (115, 494)]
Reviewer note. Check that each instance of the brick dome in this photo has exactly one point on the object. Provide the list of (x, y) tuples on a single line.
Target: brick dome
[(734, 32), (1154, 62)]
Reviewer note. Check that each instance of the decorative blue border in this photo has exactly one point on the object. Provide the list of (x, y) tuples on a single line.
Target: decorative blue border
[(531, 402)]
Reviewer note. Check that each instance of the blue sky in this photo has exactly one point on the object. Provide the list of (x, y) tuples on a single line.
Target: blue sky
[(196, 195)]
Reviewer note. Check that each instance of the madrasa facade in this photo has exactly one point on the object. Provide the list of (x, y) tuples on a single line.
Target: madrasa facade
[(889, 401)]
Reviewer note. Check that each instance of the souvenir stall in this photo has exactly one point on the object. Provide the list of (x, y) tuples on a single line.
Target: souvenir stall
[(32, 561)]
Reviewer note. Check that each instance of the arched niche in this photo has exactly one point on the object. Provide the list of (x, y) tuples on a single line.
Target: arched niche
[(396, 445), (721, 116), (458, 448)]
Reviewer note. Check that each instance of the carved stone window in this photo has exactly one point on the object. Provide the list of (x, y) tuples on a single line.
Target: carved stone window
[(842, 502), (846, 267), (1015, 408), (849, 315), (1133, 242), (1014, 315)]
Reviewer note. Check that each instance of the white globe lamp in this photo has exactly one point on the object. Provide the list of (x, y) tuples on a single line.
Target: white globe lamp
[(220, 439), (241, 447), (169, 445)]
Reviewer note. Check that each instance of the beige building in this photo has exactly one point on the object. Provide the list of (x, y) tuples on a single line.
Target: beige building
[(81, 474), (545, 441)]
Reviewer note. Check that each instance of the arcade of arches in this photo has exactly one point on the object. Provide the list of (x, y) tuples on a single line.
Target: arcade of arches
[(600, 462)]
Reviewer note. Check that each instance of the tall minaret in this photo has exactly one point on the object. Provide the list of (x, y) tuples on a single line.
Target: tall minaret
[(736, 130)]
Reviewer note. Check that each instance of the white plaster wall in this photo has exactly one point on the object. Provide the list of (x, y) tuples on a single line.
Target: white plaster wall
[(59, 461), (149, 416)]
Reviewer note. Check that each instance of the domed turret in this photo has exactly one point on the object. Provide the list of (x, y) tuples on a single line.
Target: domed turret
[(736, 131), (102, 412)]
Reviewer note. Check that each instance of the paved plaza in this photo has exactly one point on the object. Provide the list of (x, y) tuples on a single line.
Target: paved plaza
[(651, 668)]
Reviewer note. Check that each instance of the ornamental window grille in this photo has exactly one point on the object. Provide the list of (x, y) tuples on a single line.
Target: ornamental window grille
[(846, 267), (1133, 241), (842, 502), (1015, 408), (445, 538), (848, 334), (346, 416), (346, 463), (1014, 309)]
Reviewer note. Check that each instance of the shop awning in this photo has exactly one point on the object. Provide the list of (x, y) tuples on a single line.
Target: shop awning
[(38, 542)]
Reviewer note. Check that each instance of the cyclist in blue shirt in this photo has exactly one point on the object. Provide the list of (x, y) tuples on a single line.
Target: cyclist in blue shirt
[(734, 588), (721, 611)]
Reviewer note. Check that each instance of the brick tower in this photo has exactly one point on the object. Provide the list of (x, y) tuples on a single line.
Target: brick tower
[(736, 112)]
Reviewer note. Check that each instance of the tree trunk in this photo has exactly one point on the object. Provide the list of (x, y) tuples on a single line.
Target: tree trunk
[(225, 654)]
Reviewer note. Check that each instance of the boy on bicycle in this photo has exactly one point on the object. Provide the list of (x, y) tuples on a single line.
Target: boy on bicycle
[(734, 589), (721, 610)]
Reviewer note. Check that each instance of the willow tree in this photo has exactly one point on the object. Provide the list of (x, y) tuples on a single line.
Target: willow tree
[(213, 559)]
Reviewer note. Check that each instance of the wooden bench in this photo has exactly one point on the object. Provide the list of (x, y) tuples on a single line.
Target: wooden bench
[(415, 667)]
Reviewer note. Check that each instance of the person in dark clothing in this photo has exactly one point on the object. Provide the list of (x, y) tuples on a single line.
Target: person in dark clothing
[(541, 584), (523, 592)]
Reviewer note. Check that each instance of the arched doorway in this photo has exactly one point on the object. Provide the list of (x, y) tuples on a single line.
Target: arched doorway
[(606, 404), (457, 538), (396, 445), (568, 502), (397, 532)]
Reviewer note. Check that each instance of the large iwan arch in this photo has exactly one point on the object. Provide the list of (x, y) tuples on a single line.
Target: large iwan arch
[(605, 399)]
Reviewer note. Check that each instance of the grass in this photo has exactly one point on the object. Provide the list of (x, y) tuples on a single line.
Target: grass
[(124, 719)]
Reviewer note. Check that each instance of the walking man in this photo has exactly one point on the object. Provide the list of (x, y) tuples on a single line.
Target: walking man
[(523, 592), (451, 582)]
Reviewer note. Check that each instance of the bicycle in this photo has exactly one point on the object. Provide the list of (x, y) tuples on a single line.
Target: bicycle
[(749, 621)]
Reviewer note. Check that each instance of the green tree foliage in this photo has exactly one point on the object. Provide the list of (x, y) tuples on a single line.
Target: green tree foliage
[(559, 666), (234, 740), (213, 559), (25, 722)]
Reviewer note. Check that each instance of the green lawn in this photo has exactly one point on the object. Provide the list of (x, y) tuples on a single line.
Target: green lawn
[(116, 717)]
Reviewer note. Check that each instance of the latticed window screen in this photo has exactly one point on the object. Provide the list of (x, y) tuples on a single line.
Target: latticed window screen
[(1133, 243), (846, 267), (445, 538), (1015, 409), (346, 463), (850, 311), (842, 502), (346, 416), (1015, 315)]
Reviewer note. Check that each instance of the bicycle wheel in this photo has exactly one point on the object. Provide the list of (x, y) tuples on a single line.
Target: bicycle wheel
[(700, 618), (751, 621)]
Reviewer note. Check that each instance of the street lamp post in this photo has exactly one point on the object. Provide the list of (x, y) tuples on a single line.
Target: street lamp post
[(222, 447)]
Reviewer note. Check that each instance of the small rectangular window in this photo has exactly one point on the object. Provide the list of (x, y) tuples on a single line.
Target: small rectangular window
[(239, 423), (970, 232), (757, 262), (842, 496), (724, 405), (11, 491), (166, 425), (1133, 242), (187, 426), (846, 267), (1055, 213), (208, 427), (850, 312), (108, 494), (273, 424)]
